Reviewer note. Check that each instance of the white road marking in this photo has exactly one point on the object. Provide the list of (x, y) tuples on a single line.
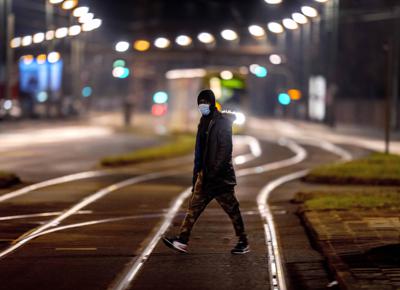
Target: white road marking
[(277, 276), (124, 280), (42, 214)]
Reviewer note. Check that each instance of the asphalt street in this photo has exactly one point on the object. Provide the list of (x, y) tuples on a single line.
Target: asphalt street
[(103, 232)]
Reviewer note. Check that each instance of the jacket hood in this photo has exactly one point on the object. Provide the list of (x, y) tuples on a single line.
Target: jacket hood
[(230, 116), (208, 96)]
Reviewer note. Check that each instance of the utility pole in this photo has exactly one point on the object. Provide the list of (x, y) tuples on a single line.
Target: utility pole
[(9, 50)]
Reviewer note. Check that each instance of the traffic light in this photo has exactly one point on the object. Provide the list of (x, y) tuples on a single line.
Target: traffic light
[(119, 70)]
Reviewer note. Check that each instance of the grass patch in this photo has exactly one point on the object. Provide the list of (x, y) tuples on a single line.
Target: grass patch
[(347, 200), (375, 169), (178, 146), (8, 179)]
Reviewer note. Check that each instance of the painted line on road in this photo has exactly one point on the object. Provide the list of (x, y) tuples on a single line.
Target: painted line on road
[(42, 214), (276, 268), (125, 279)]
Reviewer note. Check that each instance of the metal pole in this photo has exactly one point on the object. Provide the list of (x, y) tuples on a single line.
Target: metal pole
[(2, 47), (388, 99), (9, 50)]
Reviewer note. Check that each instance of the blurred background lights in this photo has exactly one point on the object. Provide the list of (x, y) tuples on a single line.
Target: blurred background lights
[(162, 42), (273, 1), (50, 35), (141, 45), (122, 46), (294, 94), (61, 32), (42, 97), (275, 59), (16, 42), (160, 97), (87, 92), (38, 37), (55, 1), (80, 11), (53, 57), (205, 37), (7, 105), (299, 18), (183, 40), (309, 11), (229, 34), (321, 1), (159, 109), (69, 4), (290, 23), (120, 72), (275, 27), (258, 70), (240, 118), (41, 58), (74, 30), (119, 62), (26, 40), (86, 18), (284, 99), (27, 59), (256, 30), (226, 75)]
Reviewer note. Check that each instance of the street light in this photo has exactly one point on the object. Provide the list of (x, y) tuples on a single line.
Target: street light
[(256, 31), (205, 37), (61, 32), (162, 42), (141, 45), (226, 75), (53, 57), (275, 59), (55, 1), (38, 37), (299, 18), (86, 18), (273, 1), (26, 40), (309, 11), (16, 42), (321, 1), (50, 35), (69, 4), (229, 34), (275, 27), (122, 46), (183, 40), (80, 11), (290, 23), (74, 30)]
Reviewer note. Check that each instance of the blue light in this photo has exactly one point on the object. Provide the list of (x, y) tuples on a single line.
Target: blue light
[(284, 99), (260, 72), (160, 97), (87, 92), (42, 97)]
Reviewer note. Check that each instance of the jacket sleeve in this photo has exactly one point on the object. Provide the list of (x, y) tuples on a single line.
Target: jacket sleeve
[(224, 149), (197, 159)]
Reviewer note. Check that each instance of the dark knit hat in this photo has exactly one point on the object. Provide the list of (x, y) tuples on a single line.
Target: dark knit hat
[(208, 96)]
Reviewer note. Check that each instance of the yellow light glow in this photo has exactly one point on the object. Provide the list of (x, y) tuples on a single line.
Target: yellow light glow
[(69, 4), (27, 59), (41, 58), (141, 45), (294, 94)]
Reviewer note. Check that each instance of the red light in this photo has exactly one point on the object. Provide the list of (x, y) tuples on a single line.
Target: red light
[(159, 109)]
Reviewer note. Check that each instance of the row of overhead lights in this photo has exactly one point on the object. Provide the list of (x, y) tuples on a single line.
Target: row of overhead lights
[(273, 2), (86, 20), (52, 57), (256, 31)]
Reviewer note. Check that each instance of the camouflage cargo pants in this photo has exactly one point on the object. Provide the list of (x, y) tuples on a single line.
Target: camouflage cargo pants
[(199, 201)]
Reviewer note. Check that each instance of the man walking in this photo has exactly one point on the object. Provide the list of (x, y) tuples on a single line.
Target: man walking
[(213, 174)]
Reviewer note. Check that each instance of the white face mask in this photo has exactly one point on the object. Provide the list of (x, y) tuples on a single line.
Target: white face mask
[(204, 109)]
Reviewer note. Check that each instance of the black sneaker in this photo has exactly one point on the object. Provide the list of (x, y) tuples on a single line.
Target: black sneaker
[(175, 244), (242, 247)]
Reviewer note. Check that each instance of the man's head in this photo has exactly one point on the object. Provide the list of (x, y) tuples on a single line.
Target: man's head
[(206, 102)]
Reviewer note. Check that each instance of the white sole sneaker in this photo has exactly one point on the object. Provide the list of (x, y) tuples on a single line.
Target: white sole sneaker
[(244, 251), (175, 245)]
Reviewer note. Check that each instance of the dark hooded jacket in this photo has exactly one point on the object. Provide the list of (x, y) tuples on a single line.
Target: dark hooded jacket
[(213, 155)]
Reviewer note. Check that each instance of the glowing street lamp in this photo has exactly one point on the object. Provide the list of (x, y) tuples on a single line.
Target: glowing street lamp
[(69, 4), (309, 11), (229, 34), (74, 30), (256, 31), (162, 42), (61, 32), (26, 40), (80, 11), (183, 40), (122, 46), (273, 1), (275, 59), (299, 18), (16, 42), (206, 37), (141, 45), (53, 57), (290, 24), (55, 1), (38, 37), (275, 27)]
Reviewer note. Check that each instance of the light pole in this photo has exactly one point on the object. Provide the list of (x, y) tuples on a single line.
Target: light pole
[(9, 51)]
